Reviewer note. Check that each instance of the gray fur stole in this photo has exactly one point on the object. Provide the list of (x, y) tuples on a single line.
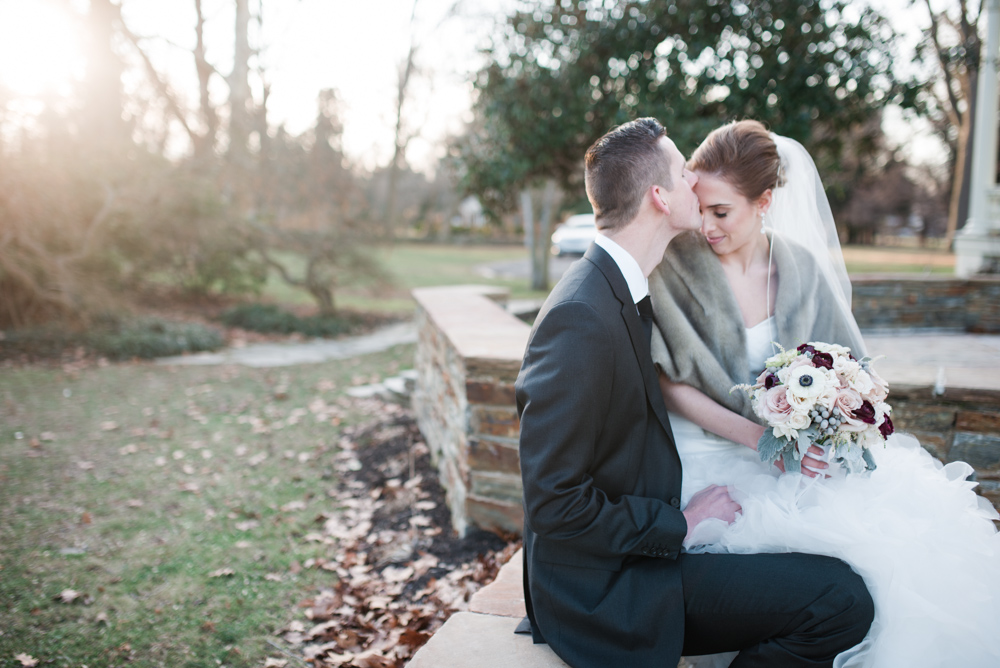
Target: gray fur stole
[(699, 338)]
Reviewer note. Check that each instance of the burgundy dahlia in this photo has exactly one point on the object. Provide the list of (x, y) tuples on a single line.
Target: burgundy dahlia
[(886, 428), (822, 360), (866, 413)]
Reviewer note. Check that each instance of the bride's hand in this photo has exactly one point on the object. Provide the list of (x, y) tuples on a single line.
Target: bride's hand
[(813, 460)]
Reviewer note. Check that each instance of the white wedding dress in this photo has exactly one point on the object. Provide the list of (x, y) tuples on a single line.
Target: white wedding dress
[(914, 530)]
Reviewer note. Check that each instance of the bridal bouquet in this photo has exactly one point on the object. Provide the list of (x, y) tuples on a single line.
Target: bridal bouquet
[(820, 393)]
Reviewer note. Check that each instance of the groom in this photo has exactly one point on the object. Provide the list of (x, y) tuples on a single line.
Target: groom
[(606, 582)]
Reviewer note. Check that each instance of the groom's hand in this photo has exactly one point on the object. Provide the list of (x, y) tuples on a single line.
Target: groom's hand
[(712, 502)]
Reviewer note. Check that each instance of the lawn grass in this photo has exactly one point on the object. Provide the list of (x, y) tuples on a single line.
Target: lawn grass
[(175, 501), (899, 260), (413, 265)]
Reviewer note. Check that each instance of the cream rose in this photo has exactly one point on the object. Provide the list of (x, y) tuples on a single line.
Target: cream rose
[(846, 369), (831, 348), (862, 382)]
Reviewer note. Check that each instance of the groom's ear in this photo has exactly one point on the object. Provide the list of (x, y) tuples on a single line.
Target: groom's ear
[(657, 195)]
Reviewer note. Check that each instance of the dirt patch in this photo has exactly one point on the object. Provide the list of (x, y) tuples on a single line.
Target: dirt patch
[(401, 569)]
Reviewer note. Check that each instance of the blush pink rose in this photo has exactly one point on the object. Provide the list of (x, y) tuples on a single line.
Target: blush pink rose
[(881, 387), (848, 401), (774, 406)]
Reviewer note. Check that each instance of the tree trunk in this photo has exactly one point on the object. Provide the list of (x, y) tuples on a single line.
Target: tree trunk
[(540, 255), (105, 127), (204, 144), (239, 92), (400, 138)]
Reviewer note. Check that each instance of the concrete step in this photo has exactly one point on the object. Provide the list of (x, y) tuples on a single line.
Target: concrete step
[(476, 640), (484, 636)]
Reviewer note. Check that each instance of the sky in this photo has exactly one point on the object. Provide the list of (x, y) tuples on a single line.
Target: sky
[(354, 47)]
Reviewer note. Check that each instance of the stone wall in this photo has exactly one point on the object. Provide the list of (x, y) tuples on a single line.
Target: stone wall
[(468, 355), (927, 302), (958, 425)]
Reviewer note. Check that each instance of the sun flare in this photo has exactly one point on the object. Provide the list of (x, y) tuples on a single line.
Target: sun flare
[(39, 48)]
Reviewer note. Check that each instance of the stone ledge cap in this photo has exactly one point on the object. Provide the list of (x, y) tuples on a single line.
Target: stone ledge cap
[(475, 324)]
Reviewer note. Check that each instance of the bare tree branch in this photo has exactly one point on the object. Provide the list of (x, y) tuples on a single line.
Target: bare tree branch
[(162, 87), (953, 108)]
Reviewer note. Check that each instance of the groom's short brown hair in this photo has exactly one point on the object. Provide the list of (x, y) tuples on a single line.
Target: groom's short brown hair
[(621, 166)]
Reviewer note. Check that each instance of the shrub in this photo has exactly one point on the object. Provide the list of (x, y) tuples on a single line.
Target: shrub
[(270, 319), (112, 337), (151, 337)]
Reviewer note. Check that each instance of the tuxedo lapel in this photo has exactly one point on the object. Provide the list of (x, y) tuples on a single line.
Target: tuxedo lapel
[(636, 332)]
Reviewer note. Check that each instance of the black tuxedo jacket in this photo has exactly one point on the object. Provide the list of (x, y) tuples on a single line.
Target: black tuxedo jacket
[(602, 479)]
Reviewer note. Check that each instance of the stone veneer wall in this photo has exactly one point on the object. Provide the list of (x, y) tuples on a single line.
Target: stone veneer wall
[(958, 425), (922, 302), (468, 355)]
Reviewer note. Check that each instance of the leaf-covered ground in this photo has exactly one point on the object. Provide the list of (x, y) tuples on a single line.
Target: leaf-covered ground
[(189, 517)]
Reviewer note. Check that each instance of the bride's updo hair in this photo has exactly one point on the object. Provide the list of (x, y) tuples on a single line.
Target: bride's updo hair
[(743, 154)]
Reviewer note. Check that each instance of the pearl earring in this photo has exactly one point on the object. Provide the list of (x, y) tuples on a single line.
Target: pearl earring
[(762, 231)]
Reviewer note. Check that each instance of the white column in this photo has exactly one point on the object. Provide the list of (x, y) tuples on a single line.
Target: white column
[(973, 242), (984, 144)]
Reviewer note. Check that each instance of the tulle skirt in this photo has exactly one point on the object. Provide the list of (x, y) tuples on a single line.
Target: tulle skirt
[(914, 530)]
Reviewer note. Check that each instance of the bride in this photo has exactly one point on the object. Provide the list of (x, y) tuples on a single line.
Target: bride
[(766, 269)]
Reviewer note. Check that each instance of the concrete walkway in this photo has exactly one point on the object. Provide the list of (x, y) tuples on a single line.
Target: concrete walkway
[(968, 361), (309, 352)]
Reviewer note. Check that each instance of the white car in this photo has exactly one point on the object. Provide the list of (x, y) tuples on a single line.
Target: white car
[(573, 237)]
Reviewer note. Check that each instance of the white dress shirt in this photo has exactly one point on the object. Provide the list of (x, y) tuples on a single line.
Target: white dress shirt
[(638, 284)]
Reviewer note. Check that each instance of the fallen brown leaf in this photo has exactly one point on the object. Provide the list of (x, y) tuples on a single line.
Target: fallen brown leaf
[(68, 595), (275, 663)]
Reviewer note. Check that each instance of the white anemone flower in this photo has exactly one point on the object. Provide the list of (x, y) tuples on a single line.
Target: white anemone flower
[(806, 384)]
